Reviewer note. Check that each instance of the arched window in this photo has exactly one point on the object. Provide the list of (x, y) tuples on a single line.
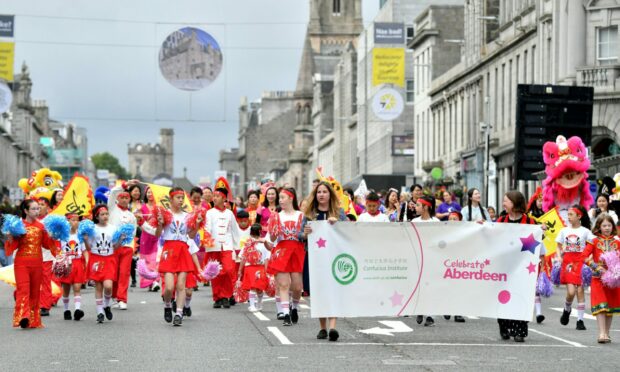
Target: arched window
[(336, 7)]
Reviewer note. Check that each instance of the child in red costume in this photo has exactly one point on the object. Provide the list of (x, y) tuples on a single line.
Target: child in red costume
[(252, 274), (605, 301), (28, 265), (76, 251)]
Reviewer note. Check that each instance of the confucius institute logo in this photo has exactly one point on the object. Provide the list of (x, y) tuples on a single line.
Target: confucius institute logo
[(344, 269)]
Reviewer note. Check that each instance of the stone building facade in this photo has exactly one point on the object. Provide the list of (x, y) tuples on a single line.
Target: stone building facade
[(506, 43), (149, 160)]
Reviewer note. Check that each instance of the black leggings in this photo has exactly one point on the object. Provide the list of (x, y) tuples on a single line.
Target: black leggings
[(512, 327)]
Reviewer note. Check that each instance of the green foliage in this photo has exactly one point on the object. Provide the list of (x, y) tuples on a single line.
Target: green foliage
[(105, 160)]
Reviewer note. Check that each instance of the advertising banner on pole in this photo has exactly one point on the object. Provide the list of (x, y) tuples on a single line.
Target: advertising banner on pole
[(7, 58), (394, 269), (388, 66)]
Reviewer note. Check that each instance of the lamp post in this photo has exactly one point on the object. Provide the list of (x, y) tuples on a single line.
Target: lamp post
[(486, 127)]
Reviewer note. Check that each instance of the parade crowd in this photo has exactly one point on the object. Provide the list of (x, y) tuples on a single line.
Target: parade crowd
[(247, 248)]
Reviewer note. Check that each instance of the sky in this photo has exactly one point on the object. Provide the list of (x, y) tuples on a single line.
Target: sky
[(96, 65)]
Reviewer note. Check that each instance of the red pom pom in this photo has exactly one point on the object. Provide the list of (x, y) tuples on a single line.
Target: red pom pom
[(192, 219), (240, 295), (274, 225), (157, 211), (271, 289)]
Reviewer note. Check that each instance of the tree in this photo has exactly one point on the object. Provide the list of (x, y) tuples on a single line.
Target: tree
[(105, 160)]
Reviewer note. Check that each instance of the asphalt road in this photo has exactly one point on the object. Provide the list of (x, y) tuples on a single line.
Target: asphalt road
[(138, 339)]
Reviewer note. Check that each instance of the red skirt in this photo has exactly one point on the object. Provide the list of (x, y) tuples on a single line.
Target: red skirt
[(102, 268), (175, 258), (604, 299), (570, 273), (254, 278), (78, 272), (190, 281), (287, 257)]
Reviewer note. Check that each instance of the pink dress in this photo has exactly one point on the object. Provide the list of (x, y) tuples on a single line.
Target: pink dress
[(264, 214), (148, 248)]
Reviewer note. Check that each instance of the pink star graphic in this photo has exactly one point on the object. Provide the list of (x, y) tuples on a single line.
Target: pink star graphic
[(397, 299), (321, 243), (529, 244), (487, 262), (531, 268)]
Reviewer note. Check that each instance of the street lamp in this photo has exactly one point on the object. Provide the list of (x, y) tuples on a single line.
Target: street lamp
[(486, 127)]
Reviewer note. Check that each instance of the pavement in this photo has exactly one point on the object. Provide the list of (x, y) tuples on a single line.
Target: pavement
[(234, 339)]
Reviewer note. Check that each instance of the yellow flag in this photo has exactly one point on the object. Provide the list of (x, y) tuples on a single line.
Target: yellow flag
[(78, 198), (162, 197), (388, 66), (554, 224), (7, 58)]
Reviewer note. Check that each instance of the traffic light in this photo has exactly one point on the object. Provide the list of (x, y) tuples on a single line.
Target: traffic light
[(543, 113)]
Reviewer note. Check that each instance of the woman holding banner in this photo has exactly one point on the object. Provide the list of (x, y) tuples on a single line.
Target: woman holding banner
[(514, 205), (323, 205)]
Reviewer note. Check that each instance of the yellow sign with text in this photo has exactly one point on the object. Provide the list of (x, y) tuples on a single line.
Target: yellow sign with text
[(7, 58), (388, 66)]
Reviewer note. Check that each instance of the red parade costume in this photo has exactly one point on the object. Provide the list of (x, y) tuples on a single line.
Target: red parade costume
[(28, 266), (75, 251), (254, 275), (289, 254), (602, 298)]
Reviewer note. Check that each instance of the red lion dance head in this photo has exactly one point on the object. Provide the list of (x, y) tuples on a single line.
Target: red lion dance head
[(566, 165)]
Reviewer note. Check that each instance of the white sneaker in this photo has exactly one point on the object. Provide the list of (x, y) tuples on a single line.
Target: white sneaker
[(122, 306), (252, 309), (259, 306), (115, 305), (155, 288)]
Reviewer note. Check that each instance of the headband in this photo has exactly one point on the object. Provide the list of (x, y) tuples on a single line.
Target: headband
[(576, 211), (220, 194), (101, 210), (425, 202), (285, 191), (123, 194), (177, 192), (457, 214)]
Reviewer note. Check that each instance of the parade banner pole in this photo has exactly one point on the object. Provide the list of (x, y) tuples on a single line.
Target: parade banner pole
[(394, 269)]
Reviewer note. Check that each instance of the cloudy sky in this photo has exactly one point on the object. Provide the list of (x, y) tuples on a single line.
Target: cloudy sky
[(96, 65)]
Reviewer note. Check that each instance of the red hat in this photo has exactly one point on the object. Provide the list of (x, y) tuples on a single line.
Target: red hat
[(222, 183)]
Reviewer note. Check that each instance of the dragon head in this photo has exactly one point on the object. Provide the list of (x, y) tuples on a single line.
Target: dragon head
[(566, 161), (41, 183)]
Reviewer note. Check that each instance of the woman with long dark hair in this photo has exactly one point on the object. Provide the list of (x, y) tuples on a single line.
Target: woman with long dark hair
[(270, 205), (474, 211)]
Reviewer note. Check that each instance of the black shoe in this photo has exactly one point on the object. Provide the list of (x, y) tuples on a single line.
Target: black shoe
[(565, 317), (232, 301), (429, 322), (174, 306), (419, 319), (446, 317), (45, 312), (322, 334), (580, 326), (168, 314), (280, 316), (333, 335), (217, 304), (459, 319), (187, 311), (178, 320), (540, 318), (294, 316), (133, 285), (504, 336), (287, 320), (24, 323), (100, 318), (108, 312), (519, 339), (67, 314), (225, 303), (78, 314)]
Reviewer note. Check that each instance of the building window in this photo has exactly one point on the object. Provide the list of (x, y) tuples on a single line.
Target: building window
[(607, 44), (336, 7), (410, 33), (410, 87)]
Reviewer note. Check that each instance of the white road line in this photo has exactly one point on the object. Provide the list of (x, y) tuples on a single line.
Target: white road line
[(572, 343), (435, 344), (279, 335), (305, 307), (473, 317), (261, 316), (574, 313)]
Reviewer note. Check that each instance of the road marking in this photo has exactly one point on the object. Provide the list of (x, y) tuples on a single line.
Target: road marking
[(473, 317), (305, 307), (142, 302), (261, 316), (434, 344), (574, 313), (572, 343), (279, 335), (394, 326), (113, 360), (282, 357), (418, 362)]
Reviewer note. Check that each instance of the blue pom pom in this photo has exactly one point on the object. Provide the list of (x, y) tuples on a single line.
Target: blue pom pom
[(13, 225), (586, 276), (555, 274), (58, 227), (86, 227), (126, 232), (543, 285)]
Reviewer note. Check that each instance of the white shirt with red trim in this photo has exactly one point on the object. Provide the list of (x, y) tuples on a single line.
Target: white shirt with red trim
[(223, 227), (367, 217)]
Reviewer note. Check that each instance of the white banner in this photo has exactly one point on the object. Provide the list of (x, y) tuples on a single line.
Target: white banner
[(393, 269)]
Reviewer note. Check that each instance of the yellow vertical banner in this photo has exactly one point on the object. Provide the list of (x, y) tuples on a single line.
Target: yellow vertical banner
[(388, 66), (78, 198), (7, 58), (554, 224), (162, 198)]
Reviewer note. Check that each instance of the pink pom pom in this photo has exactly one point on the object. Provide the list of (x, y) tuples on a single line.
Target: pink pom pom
[(212, 270), (145, 272), (611, 277)]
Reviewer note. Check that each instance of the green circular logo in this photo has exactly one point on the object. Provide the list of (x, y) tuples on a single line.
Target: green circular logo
[(344, 269)]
